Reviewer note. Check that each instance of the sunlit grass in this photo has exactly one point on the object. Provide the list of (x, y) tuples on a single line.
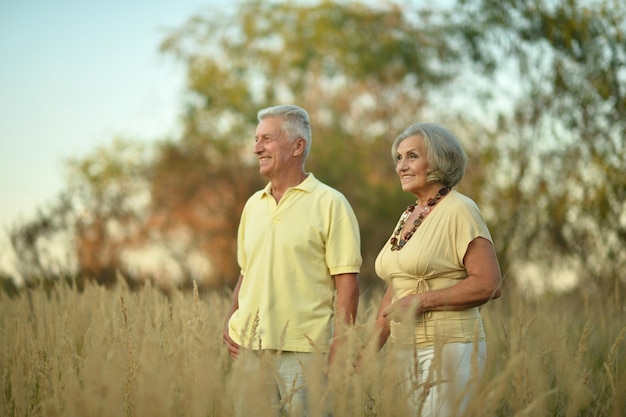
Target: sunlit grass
[(115, 352)]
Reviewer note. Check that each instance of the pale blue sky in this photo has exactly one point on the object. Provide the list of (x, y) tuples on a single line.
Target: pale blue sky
[(73, 75)]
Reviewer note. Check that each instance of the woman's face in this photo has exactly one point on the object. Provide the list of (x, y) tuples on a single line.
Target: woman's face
[(412, 164)]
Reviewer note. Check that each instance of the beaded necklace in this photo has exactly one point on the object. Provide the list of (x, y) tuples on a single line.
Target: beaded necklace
[(424, 210)]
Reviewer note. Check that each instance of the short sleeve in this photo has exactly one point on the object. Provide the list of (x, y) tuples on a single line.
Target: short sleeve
[(343, 247), (468, 224)]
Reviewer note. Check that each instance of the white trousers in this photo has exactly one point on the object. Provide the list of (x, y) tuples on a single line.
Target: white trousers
[(271, 383), (439, 381)]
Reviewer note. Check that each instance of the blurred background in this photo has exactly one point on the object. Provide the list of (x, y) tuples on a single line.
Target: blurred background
[(127, 129), (75, 75)]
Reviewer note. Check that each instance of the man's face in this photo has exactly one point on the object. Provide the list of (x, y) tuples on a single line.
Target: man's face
[(274, 151)]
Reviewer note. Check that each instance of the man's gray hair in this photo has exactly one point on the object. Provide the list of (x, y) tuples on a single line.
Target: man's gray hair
[(296, 122)]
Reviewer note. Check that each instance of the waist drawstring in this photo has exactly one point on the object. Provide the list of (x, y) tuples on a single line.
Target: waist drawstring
[(420, 288)]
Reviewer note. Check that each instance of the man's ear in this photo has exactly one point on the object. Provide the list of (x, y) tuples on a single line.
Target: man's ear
[(300, 145)]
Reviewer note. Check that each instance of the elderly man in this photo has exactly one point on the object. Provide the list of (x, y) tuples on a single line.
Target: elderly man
[(299, 254)]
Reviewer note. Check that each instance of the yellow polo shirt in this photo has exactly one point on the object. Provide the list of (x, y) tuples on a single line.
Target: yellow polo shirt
[(288, 253), (433, 259)]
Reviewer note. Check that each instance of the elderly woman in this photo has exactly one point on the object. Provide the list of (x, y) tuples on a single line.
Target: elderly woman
[(439, 266)]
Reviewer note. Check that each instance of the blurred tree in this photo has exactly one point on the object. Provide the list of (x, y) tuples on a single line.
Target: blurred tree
[(198, 191), (535, 91), (363, 73), (109, 198), (563, 200), (44, 244)]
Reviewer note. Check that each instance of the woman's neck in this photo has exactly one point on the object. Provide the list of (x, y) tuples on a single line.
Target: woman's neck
[(429, 192)]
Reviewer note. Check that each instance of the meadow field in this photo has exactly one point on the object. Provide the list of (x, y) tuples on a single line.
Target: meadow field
[(118, 352)]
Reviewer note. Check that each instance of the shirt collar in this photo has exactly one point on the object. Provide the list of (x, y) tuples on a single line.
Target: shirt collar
[(307, 185)]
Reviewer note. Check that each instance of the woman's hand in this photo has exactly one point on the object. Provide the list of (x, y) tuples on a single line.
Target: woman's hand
[(405, 309)]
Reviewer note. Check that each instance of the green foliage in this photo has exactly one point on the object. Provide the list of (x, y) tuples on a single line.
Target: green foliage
[(108, 191), (535, 91), (563, 145), (363, 73)]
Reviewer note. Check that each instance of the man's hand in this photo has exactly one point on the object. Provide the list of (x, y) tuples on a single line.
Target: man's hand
[(233, 348)]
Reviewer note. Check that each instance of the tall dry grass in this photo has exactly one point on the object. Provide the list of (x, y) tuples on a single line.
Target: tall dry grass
[(115, 352)]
